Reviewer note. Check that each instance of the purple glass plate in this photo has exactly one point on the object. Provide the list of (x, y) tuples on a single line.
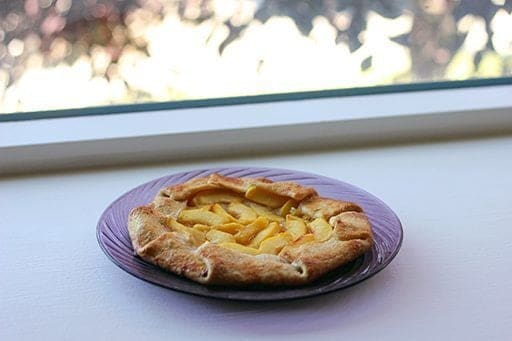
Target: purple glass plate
[(113, 236)]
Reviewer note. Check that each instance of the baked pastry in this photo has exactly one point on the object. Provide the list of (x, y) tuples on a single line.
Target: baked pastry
[(243, 231)]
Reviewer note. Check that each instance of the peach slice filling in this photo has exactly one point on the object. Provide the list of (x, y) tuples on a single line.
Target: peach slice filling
[(259, 222)]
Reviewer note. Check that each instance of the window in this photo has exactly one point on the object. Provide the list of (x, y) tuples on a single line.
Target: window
[(69, 54), (205, 78)]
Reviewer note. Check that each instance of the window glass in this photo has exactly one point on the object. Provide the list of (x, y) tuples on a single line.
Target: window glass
[(60, 54)]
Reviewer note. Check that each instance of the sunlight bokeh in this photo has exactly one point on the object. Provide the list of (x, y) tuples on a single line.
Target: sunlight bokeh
[(171, 57)]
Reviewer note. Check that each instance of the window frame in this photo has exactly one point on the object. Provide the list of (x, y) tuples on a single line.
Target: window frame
[(268, 123), (263, 98)]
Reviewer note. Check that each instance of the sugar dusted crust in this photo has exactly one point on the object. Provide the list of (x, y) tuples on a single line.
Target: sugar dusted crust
[(209, 263)]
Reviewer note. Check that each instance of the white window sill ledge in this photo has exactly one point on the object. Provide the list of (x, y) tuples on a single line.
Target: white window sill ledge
[(28, 146)]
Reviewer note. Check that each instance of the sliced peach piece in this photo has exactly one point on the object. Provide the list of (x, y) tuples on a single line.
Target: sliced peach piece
[(269, 231), (217, 237), (200, 216), (213, 196), (218, 209), (197, 237), (243, 213), (240, 248), (307, 238), (295, 227), (287, 207), (201, 227), (229, 227), (265, 212), (273, 245), (173, 224), (321, 229), (262, 196), (248, 232)]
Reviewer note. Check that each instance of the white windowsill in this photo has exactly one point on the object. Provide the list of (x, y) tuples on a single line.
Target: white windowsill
[(197, 132)]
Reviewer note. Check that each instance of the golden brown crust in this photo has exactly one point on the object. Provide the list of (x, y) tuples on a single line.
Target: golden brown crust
[(171, 252), (351, 225), (168, 207), (228, 267), (211, 263), (318, 258), (239, 185), (186, 190), (318, 207), (144, 226), (289, 189)]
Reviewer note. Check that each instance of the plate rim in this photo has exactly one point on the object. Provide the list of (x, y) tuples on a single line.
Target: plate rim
[(210, 170)]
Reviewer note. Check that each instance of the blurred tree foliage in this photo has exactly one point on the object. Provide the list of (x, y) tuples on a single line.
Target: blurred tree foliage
[(433, 39)]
